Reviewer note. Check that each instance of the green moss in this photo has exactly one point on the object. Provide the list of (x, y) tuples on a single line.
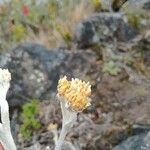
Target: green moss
[(134, 20), (18, 32), (65, 33), (111, 68), (29, 121), (128, 60), (67, 36), (97, 5)]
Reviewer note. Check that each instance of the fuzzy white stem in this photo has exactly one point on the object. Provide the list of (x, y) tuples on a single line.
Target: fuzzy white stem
[(61, 139), (55, 133), (5, 131), (69, 117)]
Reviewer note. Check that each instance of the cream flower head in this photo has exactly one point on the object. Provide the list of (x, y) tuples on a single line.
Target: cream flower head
[(75, 93), (5, 78)]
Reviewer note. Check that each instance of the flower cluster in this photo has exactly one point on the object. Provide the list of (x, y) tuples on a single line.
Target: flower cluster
[(5, 132), (75, 93), (25, 10), (5, 76)]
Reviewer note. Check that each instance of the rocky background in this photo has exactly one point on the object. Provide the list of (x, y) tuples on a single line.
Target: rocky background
[(112, 51)]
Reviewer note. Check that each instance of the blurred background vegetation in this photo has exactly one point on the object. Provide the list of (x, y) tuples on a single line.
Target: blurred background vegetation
[(48, 22)]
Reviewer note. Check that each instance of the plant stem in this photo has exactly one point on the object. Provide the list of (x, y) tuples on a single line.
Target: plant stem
[(62, 136), (69, 117), (5, 131), (8, 142)]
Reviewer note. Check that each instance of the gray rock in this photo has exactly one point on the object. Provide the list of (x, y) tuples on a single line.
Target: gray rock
[(106, 4), (35, 70), (137, 3), (146, 5), (103, 27), (137, 142)]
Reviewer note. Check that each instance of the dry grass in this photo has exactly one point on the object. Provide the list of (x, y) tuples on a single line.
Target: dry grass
[(62, 31)]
